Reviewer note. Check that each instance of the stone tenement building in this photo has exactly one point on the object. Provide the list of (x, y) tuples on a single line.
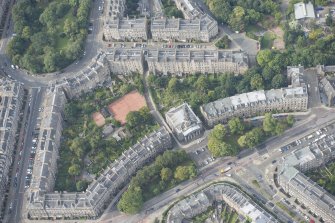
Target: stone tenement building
[(45, 165), (178, 62), (94, 75), (197, 26), (175, 61), (125, 60), (11, 94), (189, 8), (202, 29), (184, 123), (221, 192), (43, 203), (126, 29), (255, 103), (299, 186), (115, 9)]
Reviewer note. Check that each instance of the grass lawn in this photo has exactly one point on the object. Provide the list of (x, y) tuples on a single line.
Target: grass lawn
[(232, 140), (62, 42), (254, 28), (267, 40)]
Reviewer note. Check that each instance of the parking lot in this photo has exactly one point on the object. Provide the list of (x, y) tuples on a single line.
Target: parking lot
[(201, 156)]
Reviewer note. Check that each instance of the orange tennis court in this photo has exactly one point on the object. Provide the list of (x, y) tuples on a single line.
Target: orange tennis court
[(132, 101)]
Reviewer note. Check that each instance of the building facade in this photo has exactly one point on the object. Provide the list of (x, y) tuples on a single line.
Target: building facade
[(126, 29), (115, 9), (299, 186), (96, 74), (221, 192), (125, 60), (48, 141), (202, 29), (328, 88), (184, 123), (178, 62), (189, 8), (11, 95), (255, 103), (91, 203)]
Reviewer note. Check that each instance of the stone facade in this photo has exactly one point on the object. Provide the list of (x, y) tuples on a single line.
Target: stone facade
[(299, 186), (255, 103), (202, 29), (126, 29), (11, 95), (45, 204), (125, 60), (184, 123), (178, 62), (96, 74), (222, 192)]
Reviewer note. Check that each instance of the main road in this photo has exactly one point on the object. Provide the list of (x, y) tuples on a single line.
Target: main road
[(317, 118)]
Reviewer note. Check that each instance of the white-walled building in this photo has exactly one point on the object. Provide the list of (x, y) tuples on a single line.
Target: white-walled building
[(184, 123)]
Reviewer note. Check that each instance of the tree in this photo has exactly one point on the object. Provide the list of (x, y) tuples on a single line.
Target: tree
[(26, 32), (166, 174), (329, 20), (81, 185), (236, 126), (257, 82), (202, 83), (290, 120), (184, 172), (269, 123), (242, 141), (236, 20), (74, 170), (173, 85), (51, 60), (278, 81), (131, 201), (218, 132), (220, 148), (253, 137), (264, 57), (280, 128)]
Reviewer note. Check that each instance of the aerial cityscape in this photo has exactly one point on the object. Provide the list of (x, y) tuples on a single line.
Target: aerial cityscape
[(167, 111)]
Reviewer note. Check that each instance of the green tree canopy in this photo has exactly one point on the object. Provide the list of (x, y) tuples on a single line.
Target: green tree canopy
[(131, 201), (269, 123), (74, 170), (184, 172), (166, 174), (236, 126)]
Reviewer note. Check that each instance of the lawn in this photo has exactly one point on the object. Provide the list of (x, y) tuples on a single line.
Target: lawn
[(62, 41), (267, 40), (254, 28), (232, 140)]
